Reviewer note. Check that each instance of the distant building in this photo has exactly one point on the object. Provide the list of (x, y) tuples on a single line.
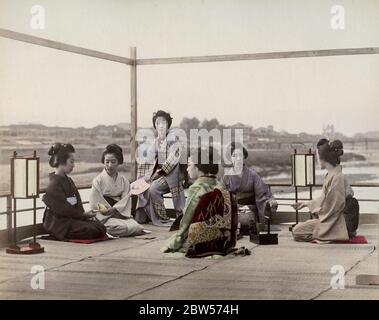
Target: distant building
[(246, 131)]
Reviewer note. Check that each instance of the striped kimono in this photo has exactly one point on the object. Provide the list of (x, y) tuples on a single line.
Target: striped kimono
[(162, 158)]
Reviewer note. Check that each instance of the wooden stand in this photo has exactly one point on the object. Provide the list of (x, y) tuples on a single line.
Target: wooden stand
[(367, 279), (264, 238), (297, 211), (33, 247), (30, 248)]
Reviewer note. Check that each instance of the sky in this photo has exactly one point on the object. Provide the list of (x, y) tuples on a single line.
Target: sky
[(41, 85)]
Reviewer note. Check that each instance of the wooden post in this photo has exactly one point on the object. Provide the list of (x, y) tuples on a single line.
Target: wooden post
[(133, 113), (311, 197), (14, 223), (9, 218)]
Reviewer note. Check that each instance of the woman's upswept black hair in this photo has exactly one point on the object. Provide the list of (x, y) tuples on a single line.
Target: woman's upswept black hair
[(322, 141), (330, 152), (211, 165), (164, 114), (113, 149), (238, 145), (59, 153)]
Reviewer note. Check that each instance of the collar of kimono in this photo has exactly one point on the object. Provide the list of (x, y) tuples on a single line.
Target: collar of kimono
[(208, 176), (335, 170), (107, 176)]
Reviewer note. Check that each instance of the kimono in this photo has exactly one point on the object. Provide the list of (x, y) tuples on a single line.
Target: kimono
[(114, 193), (162, 158), (209, 221), (250, 182), (63, 217), (330, 225)]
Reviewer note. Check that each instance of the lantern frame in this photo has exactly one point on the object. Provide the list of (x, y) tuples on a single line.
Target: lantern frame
[(28, 160), (33, 247), (308, 180)]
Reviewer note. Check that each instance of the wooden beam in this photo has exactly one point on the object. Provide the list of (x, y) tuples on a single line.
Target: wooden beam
[(133, 113), (62, 46), (261, 56)]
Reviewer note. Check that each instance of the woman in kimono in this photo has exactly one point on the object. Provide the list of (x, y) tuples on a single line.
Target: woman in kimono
[(64, 216), (329, 207), (110, 194), (162, 169), (208, 234), (241, 179)]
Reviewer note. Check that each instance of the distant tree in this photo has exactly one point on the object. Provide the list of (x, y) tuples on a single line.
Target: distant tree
[(189, 123), (210, 124)]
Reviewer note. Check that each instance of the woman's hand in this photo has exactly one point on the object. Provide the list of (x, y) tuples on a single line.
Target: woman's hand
[(115, 214), (111, 211), (102, 208), (90, 214), (147, 179), (273, 205), (299, 205), (155, 176)]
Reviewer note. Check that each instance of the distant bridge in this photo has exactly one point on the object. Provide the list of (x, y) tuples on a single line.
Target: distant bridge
[(285, 144)]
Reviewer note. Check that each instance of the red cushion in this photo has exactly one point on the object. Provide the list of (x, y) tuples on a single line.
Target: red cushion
[(355, 240), (88, 241)]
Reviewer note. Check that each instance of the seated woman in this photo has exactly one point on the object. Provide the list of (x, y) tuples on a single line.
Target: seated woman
[(64, 216), (241, 179), (330, 224), (208, 225), (111, 194), (163, 170)]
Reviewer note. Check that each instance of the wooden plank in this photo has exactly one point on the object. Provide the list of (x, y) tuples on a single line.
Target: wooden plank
[(133, 113), (62, 46), (367, 279), (261, 56)]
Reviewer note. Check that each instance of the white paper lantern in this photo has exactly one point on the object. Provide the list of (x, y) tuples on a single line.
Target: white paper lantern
[(24, 177), (303, 169)]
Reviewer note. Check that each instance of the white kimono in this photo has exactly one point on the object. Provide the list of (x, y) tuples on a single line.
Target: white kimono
[(119, 190), (330, 224)]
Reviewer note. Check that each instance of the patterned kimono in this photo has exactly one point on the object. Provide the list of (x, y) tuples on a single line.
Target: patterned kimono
[(114, 193), (330, 225), (207, 227), (163, 158), (250, 182), (63, 217)]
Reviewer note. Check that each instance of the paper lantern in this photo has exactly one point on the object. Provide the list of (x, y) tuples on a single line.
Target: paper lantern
[(24, 177), (303, 169)]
